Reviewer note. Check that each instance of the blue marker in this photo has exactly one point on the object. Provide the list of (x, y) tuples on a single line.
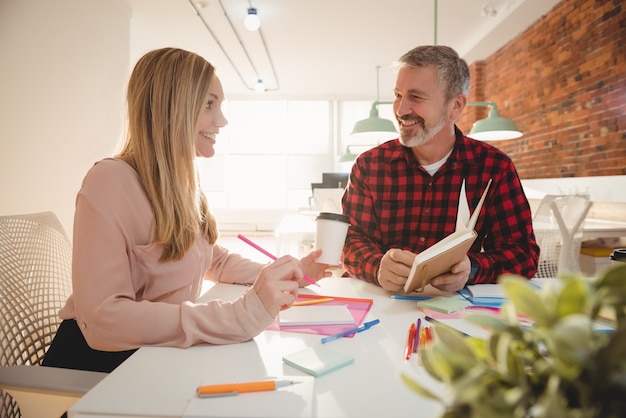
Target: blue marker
[(342, 334), (409, 297)]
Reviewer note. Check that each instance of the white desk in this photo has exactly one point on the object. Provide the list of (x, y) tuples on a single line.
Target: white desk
[(601, 228), (161, 381)]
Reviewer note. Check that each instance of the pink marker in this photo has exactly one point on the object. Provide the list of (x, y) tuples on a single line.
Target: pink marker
[(270, 255)]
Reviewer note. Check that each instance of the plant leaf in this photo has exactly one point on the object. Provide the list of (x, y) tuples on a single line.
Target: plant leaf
[(571, 338), (526, 300), (454, 341), (488, 321), (417, 387), (573, 298)]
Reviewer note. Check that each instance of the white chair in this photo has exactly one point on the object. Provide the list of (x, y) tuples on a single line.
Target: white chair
[(35, 281), (558, 229)]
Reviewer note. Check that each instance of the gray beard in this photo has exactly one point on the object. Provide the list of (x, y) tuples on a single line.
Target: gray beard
[(423, 136)]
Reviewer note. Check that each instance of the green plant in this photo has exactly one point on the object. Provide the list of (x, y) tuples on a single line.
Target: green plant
[(558, 367)]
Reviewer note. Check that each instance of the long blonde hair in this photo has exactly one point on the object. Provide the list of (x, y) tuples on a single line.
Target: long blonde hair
[(165, 95)]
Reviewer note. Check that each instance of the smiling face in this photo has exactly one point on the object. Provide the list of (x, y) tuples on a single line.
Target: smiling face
[(420, 106), (210, 120)]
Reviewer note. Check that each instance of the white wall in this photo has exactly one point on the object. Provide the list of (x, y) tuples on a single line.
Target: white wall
[(63, 69)]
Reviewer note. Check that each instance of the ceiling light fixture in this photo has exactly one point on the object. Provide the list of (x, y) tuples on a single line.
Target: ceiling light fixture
[(256, 86), (493, 127), (259, 87), (252, 21)]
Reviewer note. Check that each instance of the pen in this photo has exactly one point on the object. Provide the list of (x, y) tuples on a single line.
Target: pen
[(434, 321), (311, 301), (229, 389), (408, 297), (416, 342), (270, 255), (342, 334), (409, 342)]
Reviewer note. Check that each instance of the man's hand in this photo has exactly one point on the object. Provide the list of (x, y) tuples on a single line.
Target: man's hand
[(456, 279), (313, 269), (394, 269)]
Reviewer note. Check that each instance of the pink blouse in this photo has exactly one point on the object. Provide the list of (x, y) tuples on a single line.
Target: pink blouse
[(124, 298)]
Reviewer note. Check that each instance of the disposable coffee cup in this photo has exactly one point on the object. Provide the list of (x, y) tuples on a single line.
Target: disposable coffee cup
[(618, 257), (330, 235)]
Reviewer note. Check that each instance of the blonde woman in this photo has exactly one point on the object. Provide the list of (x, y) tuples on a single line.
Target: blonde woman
[(144, 238)]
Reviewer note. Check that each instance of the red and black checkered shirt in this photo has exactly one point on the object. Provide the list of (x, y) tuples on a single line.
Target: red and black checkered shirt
[(392, 202)]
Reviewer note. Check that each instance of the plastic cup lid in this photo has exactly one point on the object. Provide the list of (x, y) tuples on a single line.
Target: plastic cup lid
[(619, 254), (333, 217)]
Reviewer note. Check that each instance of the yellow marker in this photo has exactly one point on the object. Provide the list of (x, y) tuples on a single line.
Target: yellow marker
[(312, 301)]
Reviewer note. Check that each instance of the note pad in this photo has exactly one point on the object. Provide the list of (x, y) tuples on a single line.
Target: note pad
[(318, 360), (315, 315), (443, 304)]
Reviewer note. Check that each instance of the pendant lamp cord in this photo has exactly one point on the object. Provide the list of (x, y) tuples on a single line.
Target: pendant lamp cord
[(377, 83), (435, 23), (232, 63)]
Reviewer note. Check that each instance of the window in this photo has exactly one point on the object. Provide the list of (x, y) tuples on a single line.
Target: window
[(271, 151)]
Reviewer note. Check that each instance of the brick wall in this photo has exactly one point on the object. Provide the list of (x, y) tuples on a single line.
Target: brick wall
[(563, 82)]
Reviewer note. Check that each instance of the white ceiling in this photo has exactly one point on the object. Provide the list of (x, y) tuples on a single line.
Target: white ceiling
[(325, 48)]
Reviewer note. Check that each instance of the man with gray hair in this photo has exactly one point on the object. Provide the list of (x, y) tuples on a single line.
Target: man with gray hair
[(403, 195)]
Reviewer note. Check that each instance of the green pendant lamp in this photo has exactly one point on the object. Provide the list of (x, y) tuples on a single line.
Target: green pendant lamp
[(374, 127), (493, 127), (347, 157)]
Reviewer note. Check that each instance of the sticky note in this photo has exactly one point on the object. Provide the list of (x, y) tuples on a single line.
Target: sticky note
[(444, 304), (318, 360)]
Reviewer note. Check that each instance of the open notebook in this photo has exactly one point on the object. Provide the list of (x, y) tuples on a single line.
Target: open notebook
[(441, 256)]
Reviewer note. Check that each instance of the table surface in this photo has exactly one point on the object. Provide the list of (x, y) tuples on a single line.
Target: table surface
[(603, 228), (295, 225), (161, 381)]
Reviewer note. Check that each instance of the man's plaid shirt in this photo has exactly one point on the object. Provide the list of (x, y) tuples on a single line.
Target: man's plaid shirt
[(392, 202)]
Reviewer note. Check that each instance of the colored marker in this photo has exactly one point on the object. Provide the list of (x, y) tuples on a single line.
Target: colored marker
[(230, 389), (312, 301), (408, 297), (347, 332), (416, 343), (410, 341), (270, 255)]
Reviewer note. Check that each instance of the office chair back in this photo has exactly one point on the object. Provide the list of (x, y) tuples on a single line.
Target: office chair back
[(35, 281), (558, 229)]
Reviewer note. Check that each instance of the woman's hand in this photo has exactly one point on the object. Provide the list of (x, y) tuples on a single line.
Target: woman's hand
[(313, 269), (277, 284)]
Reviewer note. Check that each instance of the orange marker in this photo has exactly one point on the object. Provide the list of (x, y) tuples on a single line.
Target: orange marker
[(229, 389)]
